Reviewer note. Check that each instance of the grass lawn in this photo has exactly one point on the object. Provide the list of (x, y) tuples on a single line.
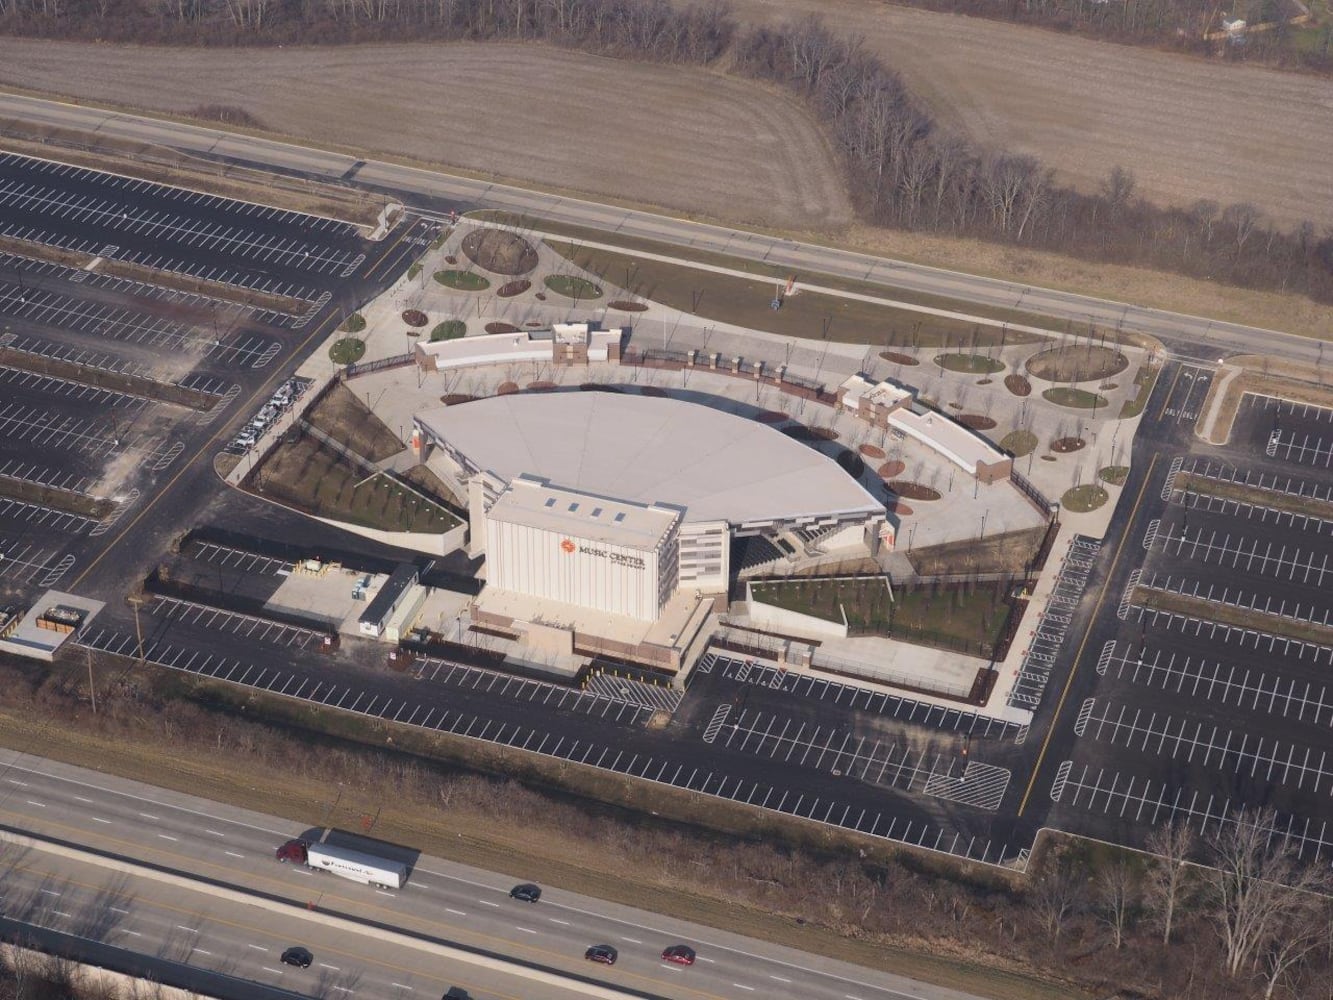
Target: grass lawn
[(354, 323), (746, 302), (1114, 474), (347, 351), (463, 281), (1082, 499), (1144, 380), (321, 482), (571, 286), (1256, 496), (1226, 614), (969, 364), (450, 329), (1019, 443), (931, 616), (1080, 399)]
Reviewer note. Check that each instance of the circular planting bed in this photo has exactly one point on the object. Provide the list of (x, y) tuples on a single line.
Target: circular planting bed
[(914, 491), (511, 288), (415, 317), (506, 388), (498, 327), (500, 252), (1064, 445), (872, 451), (598, 387), (1048, 458), (347, 351), (572, 286), (454, 398), (852, 463), (899, 359), (450, 329), (628, 307), (533, 324), (901, 509), (354, 323), (541, 386), (656, 391), (976, 421), (985, 381), (462, 281), (802, 433), (771, 417), (1019, 443), (1077, 363), (451, 259), (1078, 399), (891, 469), (1018, 385), (1114, 474), (969, 364), (1082, 499)]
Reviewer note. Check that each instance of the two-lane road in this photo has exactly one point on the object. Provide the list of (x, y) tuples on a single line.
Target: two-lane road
[(1199, 336), (441, 900)]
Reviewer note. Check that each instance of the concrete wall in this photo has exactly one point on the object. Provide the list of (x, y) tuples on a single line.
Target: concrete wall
[(417, 541), (777, 619)]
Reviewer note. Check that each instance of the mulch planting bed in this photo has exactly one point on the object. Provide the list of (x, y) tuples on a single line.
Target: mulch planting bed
[(914, 491), (803, 433), (500, 251), (541, 386), (454, 398), (415, 317), (1064, 445), (498, 327), (890, 469), (1018, 385), (506, 388), (1048, 458), (771, 417), (511, 288), (902, 510), (1077, 363), (629, 307), (598, 387), (655, 391), (899, 359), (976, 421), (872, 451)]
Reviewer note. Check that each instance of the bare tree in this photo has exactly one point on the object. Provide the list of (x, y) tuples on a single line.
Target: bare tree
[(1117, 892), (1259, 884), (1173, 844), (1056, 896)]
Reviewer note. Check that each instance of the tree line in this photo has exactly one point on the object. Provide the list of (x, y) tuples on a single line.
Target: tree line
[(903, 169), (1234, 910)]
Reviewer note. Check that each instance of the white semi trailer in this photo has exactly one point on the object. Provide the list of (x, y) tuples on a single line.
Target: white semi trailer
[(354, 865)]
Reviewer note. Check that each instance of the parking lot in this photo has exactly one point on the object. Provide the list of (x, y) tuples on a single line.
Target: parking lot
[(1213, 653)]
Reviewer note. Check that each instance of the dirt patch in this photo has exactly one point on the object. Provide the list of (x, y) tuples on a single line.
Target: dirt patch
[(977, 421), (1077, 363), (523, 104), (1018, 385), (511, 288), (227, 114), (1011, 552), (500, 327), (623, 306), (345, 418), (872, 451), (1064, 445), (506, 388), (898, 358), (891, 469), (914, 491), (500, 251)]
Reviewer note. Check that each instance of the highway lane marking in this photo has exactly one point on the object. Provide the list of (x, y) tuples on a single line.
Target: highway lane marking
[(257, 947), (1078, 656), (60, 913), (457, 913), (80, 798), (99, 819), (48, 892), (400, 986), (631, 940), (276, 972), (487, 902), (148, 816), (780, 979), (742, 986), (167, 836), (381, 892), (15, 781), (215, 833), (132, 933), (200, 951), (233, 854), (39, 805), (525, 930), (554, 920), (333, 968), (118, 909), (182, 927)]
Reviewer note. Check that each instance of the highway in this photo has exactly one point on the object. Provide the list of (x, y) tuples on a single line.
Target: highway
[(1196, 336), (442, 902)]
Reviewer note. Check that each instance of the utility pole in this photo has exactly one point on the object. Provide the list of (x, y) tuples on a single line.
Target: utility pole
[(92, 689), (135, 602)]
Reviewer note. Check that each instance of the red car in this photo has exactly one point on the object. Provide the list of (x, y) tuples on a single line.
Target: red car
[(679, 954)]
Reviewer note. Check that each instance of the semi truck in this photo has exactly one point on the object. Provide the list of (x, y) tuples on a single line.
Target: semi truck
[(355, 865)]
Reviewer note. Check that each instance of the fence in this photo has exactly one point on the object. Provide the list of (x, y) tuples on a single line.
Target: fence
[(1038, 499), (379, 364)]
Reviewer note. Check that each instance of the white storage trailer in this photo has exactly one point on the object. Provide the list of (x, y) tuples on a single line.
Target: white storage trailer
[(364, 868)]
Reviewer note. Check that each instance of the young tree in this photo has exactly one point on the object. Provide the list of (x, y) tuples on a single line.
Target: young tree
[(1117, 893), (1166, 882), (1057, 896)]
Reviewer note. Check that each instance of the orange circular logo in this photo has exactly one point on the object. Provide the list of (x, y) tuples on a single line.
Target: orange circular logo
[(567, 545)]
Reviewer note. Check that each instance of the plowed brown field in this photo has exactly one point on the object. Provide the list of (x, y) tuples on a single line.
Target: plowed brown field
[(1187, 127), (685, 139)]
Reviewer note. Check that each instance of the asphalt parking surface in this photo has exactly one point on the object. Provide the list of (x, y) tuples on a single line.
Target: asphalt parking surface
[(1189, 717)]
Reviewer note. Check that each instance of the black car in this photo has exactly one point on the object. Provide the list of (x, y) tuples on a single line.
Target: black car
[(456, 993), (527, 892), (602, 953), (298, 956)]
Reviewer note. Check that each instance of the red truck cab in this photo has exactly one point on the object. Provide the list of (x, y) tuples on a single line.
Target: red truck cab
[(293, 850)]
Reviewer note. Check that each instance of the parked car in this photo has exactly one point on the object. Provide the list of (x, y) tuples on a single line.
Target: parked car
[(298, 956), (527, 892), (603, 953), (456, 993), (679, 954)]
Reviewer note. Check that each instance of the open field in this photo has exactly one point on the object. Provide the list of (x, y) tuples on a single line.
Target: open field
[(1085, 106), (642, 133)]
